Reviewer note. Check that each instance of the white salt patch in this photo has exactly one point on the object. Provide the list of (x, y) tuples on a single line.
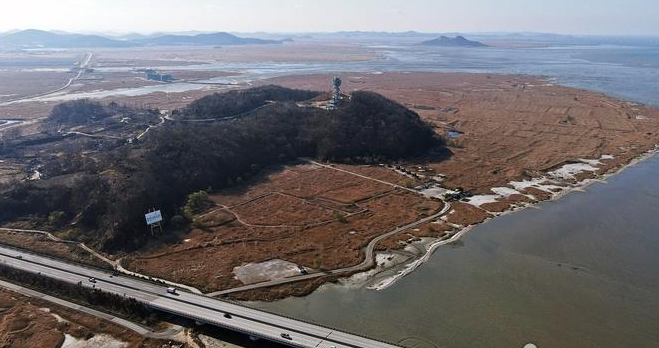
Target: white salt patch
[(98, 341), (409, 268), (382, 261), (482, 199), (263, 271), (568, 171), (504, 191), (58, 318), (592, 162), (524, 184), (434, 191)]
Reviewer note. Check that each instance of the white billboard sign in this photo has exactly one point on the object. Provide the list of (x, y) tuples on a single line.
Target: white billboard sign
[(153, 217)]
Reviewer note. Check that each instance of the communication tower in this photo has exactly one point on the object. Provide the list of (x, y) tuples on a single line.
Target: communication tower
[(336, 95)]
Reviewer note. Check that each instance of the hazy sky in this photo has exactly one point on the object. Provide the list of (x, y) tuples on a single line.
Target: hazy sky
[(558, 16)]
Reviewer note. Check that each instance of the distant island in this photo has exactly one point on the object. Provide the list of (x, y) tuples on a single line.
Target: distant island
[(32, 38), (458, 41)]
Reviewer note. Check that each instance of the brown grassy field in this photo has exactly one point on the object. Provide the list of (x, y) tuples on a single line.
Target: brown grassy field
[(313, 216), (513, 127)]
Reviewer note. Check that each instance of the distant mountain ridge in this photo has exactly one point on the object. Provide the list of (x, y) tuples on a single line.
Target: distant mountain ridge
[(33, 38), (41, 38), (458, 41), (202, 39)]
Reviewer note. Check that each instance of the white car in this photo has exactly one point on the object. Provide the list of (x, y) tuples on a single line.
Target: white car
[(172, 290)]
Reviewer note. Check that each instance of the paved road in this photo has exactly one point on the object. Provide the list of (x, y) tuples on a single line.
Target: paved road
[(364, 265), (116, 264), (82, 66), (197, 307), (122, 322)]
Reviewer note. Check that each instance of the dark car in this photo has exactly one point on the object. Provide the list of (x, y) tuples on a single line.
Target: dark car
[(227, 315), (286, 336)]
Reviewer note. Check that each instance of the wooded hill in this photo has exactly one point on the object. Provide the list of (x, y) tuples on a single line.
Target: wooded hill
[(105, 205)]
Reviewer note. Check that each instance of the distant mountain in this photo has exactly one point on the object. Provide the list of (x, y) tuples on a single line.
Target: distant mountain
[(38, 38), (9, 32), (33, 38), (217, 39), (458, 41)]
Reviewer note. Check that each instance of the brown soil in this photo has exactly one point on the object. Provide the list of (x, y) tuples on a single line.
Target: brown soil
[(466, 214), (537, 193), (495, 207), (27, 323), (505, 204)]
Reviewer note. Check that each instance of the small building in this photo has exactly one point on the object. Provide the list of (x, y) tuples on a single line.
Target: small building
[(153, 75)]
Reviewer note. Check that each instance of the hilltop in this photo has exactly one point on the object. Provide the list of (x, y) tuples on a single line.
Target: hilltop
[(458, 41)]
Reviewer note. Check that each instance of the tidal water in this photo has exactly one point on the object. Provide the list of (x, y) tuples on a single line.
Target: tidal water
[(582, 271), (622, 71)]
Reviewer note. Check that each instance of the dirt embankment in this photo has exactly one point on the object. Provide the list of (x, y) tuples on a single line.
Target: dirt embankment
[(29, 323), (43, 245)]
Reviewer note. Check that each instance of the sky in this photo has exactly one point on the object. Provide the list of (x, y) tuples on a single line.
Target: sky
[(590, 17)]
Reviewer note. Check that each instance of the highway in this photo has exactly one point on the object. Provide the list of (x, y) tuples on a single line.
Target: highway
[(165, 334), (201, 308)]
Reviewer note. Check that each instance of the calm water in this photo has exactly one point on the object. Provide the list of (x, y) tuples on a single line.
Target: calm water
[(579, 272), (627, 72)]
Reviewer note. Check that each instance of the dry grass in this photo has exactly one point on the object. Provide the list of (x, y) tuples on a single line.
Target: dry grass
[(313, 216)]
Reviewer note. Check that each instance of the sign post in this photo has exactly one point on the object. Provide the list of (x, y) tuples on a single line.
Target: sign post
[(153, 219)]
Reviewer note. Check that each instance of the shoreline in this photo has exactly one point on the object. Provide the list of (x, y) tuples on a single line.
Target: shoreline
[(369, 279)]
